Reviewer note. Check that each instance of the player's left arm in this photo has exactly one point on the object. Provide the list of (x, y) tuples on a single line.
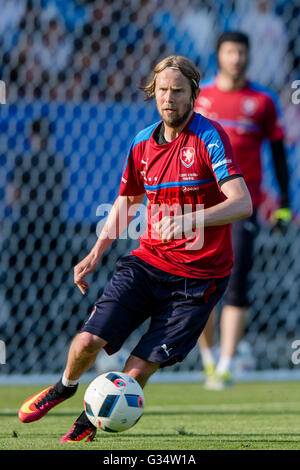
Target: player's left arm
[(228, 176), (237, 205)]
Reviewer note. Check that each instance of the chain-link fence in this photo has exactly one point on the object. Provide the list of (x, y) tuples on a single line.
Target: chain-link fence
[(72, 71)]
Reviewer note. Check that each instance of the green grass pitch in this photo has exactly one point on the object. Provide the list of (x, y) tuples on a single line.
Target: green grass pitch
[(249, 416)]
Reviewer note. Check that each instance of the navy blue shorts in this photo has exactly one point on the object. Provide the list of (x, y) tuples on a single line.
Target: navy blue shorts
[(179, 308), (243, 235)]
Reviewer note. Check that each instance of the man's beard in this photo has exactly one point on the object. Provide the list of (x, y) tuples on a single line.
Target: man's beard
[(176, 120)]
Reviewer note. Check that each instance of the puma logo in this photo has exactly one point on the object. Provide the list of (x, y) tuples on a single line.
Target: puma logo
[(213, 145), (165, 348)]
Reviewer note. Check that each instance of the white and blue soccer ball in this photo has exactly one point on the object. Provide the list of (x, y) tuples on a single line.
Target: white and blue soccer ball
[(114, 402)]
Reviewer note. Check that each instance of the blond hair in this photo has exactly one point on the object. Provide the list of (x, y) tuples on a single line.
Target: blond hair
[(177, 62)]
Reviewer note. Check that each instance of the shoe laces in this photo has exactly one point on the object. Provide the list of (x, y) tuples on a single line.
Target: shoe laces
[(51, 395)]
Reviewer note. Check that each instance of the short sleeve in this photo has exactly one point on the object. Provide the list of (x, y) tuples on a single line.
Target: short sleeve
[(220, 156), (131, 180)]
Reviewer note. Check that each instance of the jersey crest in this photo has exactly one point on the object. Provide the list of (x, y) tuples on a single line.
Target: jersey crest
[(187, 156)]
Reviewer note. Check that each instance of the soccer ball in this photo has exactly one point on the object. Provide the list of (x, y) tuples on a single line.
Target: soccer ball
[(114, 402)]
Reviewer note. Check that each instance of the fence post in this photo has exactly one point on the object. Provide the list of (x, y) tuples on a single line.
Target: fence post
[(2, 352), (2, 92)]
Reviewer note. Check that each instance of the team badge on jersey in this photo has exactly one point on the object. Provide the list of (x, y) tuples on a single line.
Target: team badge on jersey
[(187, 156), (249, 106)]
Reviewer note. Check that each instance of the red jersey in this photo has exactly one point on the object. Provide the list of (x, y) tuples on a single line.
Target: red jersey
[(248, 115), (186, 172)]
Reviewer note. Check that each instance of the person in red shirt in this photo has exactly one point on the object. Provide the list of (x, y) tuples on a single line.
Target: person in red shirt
[(184, 164), (180, 182), (249, 113)]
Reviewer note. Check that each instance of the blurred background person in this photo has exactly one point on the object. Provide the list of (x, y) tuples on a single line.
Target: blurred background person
[(32, 228), (270, 60), (249, 114)]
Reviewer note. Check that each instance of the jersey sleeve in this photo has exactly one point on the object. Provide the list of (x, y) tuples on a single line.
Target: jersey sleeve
[(220, 156), (273, 128), (131, 180)]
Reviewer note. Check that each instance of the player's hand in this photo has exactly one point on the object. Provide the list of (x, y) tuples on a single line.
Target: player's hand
[(174, 227), (86, 266), (281, 219)]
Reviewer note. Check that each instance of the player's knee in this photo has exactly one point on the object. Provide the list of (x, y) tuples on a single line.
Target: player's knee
[(140, 369), (87, 343)]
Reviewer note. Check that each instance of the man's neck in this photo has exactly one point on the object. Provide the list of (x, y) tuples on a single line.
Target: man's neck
[(227, 83), (171, 133)]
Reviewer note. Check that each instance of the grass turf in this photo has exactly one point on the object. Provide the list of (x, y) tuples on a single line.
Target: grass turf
[(262, 416)]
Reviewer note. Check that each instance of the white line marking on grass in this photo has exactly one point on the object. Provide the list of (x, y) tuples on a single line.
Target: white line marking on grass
[(205, 408), (225, 407)]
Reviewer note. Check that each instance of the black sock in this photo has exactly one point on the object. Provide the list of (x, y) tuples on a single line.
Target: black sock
[(83, 419), (64, 391)]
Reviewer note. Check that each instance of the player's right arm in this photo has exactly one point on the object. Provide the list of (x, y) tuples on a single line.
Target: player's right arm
[(131, 195), (120, 216), (275, 133)]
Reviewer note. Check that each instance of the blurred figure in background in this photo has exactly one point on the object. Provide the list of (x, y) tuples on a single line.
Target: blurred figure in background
[(270, 61), (11, 14), (249, 114), (34, 224), (188, 28)]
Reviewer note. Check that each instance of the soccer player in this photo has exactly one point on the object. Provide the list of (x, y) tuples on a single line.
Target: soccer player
[(249, 114), (172, 277)]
